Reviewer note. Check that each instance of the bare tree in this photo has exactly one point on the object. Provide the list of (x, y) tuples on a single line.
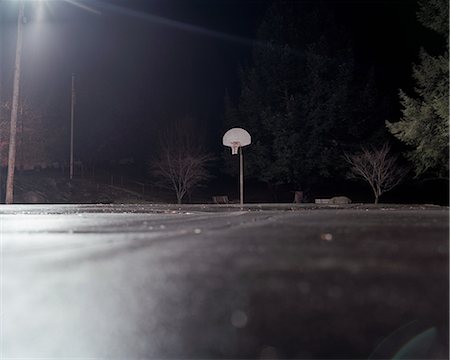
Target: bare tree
[(377, 167), (182, 162)]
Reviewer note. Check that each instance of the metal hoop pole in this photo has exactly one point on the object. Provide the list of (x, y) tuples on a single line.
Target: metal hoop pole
[(241, 175)]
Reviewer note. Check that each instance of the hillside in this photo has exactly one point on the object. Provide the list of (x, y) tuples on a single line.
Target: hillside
[(40, 188)]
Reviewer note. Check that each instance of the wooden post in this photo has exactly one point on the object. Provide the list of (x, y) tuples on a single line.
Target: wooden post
[(14, 110)]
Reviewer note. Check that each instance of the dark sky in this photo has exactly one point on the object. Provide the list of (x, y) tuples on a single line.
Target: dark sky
[(141, 63)]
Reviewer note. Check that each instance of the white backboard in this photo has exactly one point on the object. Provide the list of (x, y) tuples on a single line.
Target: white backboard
[(236, 135)]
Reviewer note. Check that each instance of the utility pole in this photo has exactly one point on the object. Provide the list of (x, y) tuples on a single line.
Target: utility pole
[(14, 109), (1, 94), (72, 112)]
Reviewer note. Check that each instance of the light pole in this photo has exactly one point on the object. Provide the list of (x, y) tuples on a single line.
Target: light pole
[(14, 109)]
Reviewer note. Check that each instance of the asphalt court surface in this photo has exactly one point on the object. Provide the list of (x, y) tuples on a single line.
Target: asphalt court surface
[(138, 282)]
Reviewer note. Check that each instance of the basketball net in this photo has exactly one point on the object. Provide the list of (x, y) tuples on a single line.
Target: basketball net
[(235, 147)]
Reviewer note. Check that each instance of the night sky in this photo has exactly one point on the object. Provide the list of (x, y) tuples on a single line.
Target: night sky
[(140, 63)]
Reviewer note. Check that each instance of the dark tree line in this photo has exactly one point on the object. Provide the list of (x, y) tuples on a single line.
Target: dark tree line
[(303, 99), (306, 101)]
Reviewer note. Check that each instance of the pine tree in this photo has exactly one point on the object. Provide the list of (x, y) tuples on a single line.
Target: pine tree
[(424, 125), (300, 98)]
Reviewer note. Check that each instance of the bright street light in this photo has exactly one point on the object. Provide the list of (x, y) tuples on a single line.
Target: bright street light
[(16, 93), (9, 199)]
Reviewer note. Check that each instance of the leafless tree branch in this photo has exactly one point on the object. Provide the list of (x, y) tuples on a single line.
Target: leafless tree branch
[(377, 167), (182, 163)]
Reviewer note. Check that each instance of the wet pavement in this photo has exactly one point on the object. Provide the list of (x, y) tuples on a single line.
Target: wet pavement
[(140, 282)]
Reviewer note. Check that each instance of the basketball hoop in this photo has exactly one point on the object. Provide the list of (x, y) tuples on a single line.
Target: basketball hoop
[(236, 138), (235, 147)]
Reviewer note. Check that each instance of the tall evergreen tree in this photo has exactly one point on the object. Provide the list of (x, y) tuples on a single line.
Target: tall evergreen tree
[(424, 125), (300, 98)]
